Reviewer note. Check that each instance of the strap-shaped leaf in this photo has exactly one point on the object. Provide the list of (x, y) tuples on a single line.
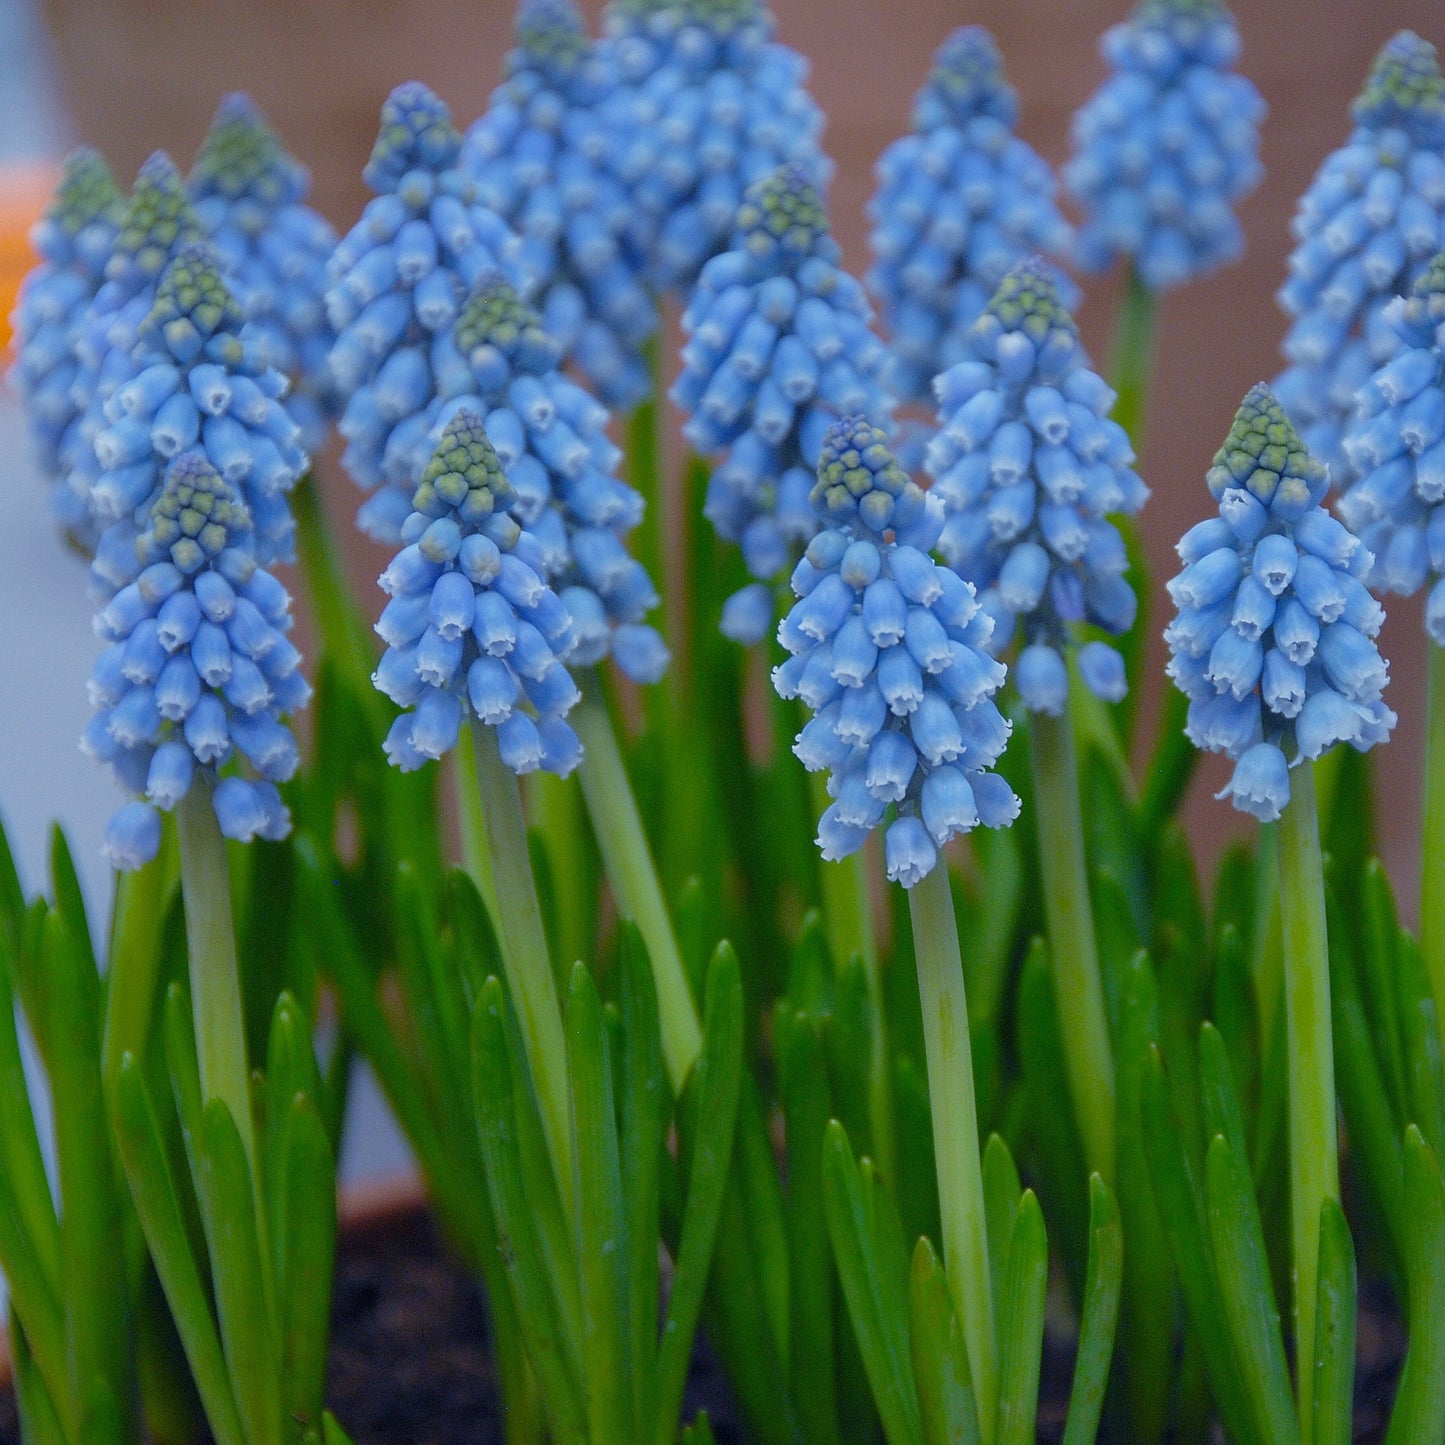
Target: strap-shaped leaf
[(1001, 1194), (1021, 1325), (1335, 1331), (1419, 1414), (39, 1419), (947, 1410), (1100, 1316), (1419, 1027)]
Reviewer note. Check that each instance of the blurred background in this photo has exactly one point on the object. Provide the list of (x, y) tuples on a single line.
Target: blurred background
[(129, 76)]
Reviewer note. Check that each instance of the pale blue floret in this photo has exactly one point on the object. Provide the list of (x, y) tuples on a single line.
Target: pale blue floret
[(539, 156), (706, 103), (1397, 449), (1365, 230), (778, 347), (248, 195), (156, 224), (472, 628), (73, 239), (197, 378), (397, 281), (1166, 145), (959, 201), (887, 652), (1029, 469), (1273, 643), (198, 672)]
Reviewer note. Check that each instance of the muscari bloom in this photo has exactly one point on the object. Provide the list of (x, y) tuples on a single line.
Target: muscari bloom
[(959, 201), (156, 225), (707, 103), (1397, 448), (248, 195), (1273, 643), (778, 348), (1029, 469), (73, 240), (198, 379), (1366, 229), (1166, 145), (396, 284), (472, 629), (539, 158), (888, 653), (198, 671)]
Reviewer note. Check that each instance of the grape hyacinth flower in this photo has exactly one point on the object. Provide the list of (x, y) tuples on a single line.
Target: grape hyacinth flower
[(887, 652), (959, 201), (198, 670), (198, 378), (1366, 229), (249, 197), (539, 158), (1029, 468), (778, 348), (73, 239), (1273, 643), (1166, 145), (472, 628), (396, 283), (156, 225), (707, 103)]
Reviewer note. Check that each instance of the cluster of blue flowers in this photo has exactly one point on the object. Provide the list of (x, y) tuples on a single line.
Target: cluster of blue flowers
[(539, 156), (472, 627), (395, 286), (1029, 468), (74, 240), (197, 671), (196, 378), (1166, 145), (1273, 642), (248, 195), (778, 347), (1397, 448), (706, 103), (959, 201), (888, 653), (1367, 227)]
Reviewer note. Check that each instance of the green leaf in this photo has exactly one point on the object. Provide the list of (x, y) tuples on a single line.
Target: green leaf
[(1419, 1414), (712, 1113), (1424, 1075), (1247, 1296), (1099, 1317), (1335, 1331), (1001, 1194), (40, 1422), (1021, 1325), (1222, 1113), (947, 1410), (865, 1269), (1170, 767), (699, 1432), (601, 1218), (69, 897), (153, 1188)]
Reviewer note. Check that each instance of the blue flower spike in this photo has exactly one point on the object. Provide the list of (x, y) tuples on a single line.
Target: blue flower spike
[(959, 201), (397, 281), (888, 654), (539, 156), (73, 240), (249, 197), (1397, 449), (1365, 230), (1273, 642), (198, 379), (779, 346), (1029, 469), (472, 629), (707, 103), (198, 673), (1167, 145)]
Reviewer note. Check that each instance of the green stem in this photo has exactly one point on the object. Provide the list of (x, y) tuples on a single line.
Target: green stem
[(476, 852), (524, 945), (1313, 1163), (220, 1019), (555, 811), (1432, 835), (955, 1131), (1133, 357), (1073, 951), (617, 825)]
